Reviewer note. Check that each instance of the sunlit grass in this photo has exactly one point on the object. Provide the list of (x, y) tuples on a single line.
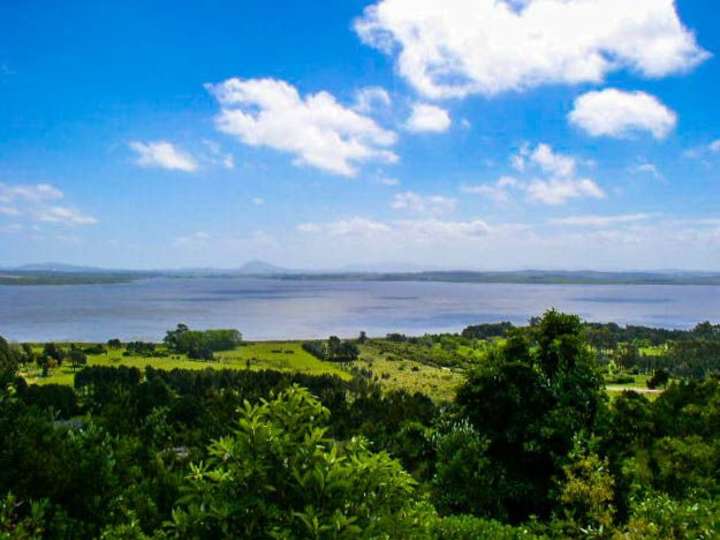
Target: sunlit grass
[(438, 383), (279, 356)]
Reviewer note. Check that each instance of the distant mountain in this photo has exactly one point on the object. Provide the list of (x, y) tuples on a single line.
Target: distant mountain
[(261, 267)]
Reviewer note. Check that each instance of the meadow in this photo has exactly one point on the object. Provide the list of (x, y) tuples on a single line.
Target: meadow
[(280, 356), (393, 367)]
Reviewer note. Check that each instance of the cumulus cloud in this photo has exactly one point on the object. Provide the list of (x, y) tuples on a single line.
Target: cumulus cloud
[(386, 181), (258, 201), (38, 203), (217, 156), (29, 192), (163, 155), (646, 168), (371, 98), (355, 226), (456, 48), (615, 113), (64, 215), (316, 129), (600, 221), (423, 204), (428, 118), (560, 190), (418, 230), (557, 183), (544, 157), (703, 151), (497, 192)]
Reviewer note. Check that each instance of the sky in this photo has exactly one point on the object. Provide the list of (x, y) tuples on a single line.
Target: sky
[(463, 134)]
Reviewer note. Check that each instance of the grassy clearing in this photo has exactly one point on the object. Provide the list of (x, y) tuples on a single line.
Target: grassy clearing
[(640, 386), (438, 383), (280, 356), (392, 370)]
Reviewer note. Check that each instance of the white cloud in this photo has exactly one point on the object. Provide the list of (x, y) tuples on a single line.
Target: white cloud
[(646, 168), (217, 156), (544, 157), (29, 192), (558, 185), (385, 181), (455, 48), (420, 230), (258, 201), (316, 129), (65, 216), (600, 221), (701, 152), (551, 162), (437, 230), (615, 113), (37, 202), (428, 118), (423, 204), (370, 98), (497, 192), (560, 190), (9, 211), (346, 227), (163, 155)]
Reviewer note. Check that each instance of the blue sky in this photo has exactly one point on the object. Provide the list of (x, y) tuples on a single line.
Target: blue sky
[(482, 134)]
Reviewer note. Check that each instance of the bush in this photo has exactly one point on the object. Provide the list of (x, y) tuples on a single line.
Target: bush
[(461, 527), (60, 398), (244, 492), (660, 378)]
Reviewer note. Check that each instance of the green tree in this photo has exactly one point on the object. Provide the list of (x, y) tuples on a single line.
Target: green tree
[(529, 400), (8, 364), (279, 476), (78, 358), (586, 494)]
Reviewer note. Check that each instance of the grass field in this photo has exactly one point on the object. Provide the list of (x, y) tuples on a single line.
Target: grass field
[(640, 386), (438, 383), (280, 356), (391, 370)]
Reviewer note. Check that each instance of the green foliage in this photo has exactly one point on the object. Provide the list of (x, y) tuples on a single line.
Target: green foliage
[(531, 447), (486, 331), (333, 350), (586, 494), (201, 345), (531, 398), (659, 378), (659, 517), (78, 358), (8, 363), (463, 480), (464, 527), (20, 521), (279, 476)]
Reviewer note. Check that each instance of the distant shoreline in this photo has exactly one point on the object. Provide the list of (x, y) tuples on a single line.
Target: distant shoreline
[(522, 277)]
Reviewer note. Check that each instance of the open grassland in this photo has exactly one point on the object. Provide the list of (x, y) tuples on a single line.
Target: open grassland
[(280, 356), (396, 373), (392, 369), (639, 385)]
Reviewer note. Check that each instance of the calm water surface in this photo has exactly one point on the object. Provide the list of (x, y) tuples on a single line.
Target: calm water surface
[(269, 309)]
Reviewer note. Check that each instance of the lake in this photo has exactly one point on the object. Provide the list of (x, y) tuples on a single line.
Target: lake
[(264, 309)]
